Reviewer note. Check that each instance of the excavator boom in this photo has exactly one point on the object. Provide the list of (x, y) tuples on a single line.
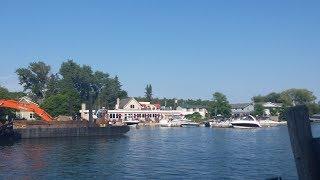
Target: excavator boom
[(13, 104)]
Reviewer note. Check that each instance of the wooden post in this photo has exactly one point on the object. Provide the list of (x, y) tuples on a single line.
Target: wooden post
[(304, 146)]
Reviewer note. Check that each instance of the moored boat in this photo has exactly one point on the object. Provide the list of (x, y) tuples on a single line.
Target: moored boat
[(170, 123), (189, 124), (246, 122), (315, 118)]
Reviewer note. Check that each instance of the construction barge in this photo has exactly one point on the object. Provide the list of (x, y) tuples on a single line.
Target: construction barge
[(28, 130), (50, 127)]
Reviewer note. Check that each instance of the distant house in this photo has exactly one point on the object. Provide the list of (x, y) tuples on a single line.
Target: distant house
[(128, 104), (187, 109), (28, 115), (242, 109), (269, 106)]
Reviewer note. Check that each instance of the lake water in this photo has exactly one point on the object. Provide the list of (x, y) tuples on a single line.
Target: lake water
[(156, 153)]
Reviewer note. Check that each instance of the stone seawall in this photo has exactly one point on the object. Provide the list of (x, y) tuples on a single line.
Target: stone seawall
[(48, 132)]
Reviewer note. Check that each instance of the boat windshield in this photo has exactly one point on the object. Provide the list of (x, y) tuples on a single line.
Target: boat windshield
[(247, 118)]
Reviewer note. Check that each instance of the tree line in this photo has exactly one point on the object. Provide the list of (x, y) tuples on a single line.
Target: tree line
[(220, 106), (288, 98), (62, 93)]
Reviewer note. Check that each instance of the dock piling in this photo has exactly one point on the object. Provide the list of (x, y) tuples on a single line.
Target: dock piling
[(305, 148)]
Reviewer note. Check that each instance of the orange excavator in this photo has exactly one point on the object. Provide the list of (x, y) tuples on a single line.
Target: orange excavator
[(26, 107)]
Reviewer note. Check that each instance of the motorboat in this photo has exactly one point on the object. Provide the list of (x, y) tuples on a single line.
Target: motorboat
[(164, 123), (246, 122), (189, 124), (315, 117), (170, 123)]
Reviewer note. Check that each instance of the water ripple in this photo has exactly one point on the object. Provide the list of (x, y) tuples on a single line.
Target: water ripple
[(156, 153)]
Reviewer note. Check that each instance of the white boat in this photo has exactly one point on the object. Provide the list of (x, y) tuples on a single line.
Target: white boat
[(189, 124), (246, 122), (164, 122), (170, 123), (315, 117)]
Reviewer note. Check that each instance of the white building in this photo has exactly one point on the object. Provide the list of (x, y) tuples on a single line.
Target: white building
[(28, 115), (242, 109), (192, 109), (268, 106), (130, 108)]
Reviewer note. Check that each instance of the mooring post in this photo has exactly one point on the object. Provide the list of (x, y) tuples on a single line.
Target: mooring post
[(304, 146)]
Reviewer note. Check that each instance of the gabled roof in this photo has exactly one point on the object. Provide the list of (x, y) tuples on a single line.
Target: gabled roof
[(240, 105), (271, 105), (124, 102), (26, 99)]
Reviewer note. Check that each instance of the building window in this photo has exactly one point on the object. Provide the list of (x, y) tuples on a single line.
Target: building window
[(132, 106), (31, 116)]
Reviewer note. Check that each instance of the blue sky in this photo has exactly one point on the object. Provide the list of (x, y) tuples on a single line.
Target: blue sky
[(184, 48)]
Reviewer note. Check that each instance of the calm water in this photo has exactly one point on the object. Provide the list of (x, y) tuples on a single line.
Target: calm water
[(161, 153)]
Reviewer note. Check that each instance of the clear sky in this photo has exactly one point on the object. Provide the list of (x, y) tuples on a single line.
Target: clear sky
[(184, 48)]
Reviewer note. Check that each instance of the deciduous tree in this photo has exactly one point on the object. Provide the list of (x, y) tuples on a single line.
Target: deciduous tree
[(194, 117), (293, 97), (34, 79), (220, 105), (258, 109)]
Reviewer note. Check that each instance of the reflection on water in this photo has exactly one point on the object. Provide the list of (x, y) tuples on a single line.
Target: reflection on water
[(166, 153)]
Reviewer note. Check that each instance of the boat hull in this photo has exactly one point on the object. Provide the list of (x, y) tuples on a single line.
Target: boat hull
[(51, 132), (190, 125), (245, 125)]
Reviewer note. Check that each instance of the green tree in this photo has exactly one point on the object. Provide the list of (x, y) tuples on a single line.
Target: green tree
[(292, 97), (56, 105), (81, 79), (93, 88), (34, 79), (313, 108), (220, 105), (6, 94), (53, 85), (258, 99), (148, 93), (258, 109), (110, 90), (282, 113), (272, 97), (194, 117)]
